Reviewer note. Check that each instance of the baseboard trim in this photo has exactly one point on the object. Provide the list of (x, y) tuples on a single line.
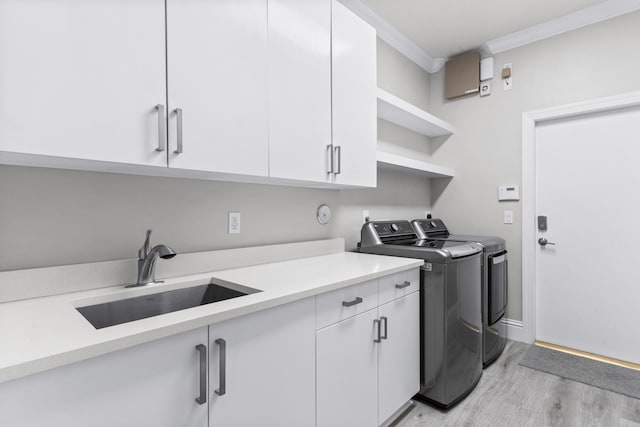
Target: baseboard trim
[(514, 329), (588, 355)]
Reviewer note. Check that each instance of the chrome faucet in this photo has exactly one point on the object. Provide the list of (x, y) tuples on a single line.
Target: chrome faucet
[(147, 261)]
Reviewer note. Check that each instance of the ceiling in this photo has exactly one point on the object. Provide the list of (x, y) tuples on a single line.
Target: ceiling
[(444, 28)]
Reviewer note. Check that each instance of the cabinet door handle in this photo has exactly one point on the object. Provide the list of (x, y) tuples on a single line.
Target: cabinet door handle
[(404, 285), (202, 399), (162, 128), (358, 300), (178, 112), (384, 337), (338, 151), (330, 159), (222, 389), (376, 323)]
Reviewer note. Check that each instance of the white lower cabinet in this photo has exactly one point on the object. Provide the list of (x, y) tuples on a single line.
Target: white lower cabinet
[(368, 366), (262, 370), (399, 354), (347, 365), (338, 359), (149, 385)]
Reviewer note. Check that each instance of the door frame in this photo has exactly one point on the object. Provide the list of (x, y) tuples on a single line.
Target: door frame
[(530, 120)]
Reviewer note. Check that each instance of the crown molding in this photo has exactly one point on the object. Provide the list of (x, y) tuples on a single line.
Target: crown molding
[(394, 37), (580, 18)]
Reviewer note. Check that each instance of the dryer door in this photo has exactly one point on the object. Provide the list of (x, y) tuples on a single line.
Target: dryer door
[(497, 282)]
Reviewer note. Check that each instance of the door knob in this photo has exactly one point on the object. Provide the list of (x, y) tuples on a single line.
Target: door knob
[(544, 242)]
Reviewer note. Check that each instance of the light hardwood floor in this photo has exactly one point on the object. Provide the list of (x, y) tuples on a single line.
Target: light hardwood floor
[(511, 395)]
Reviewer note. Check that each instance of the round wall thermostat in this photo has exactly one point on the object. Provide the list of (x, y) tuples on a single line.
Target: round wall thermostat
[(324, 214)]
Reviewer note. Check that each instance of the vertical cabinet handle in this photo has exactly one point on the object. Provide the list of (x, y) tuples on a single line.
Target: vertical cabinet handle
[(178, 112), (384, 318), (404, 285), (162, 128), (338, 151), (330, 159), (222, 389), (376, 323), (202, 398)]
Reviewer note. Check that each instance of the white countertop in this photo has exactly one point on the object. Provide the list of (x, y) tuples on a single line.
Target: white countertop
[(43, 333)]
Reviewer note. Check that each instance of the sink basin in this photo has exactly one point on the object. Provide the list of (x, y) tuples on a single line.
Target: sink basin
[(136, 308)]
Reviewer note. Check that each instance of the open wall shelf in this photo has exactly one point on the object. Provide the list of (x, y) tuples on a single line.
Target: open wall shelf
[(429, 170), (398, 111)]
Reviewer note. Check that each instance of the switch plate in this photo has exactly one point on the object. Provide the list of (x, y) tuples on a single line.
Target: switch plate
[(426, 214), (508, 217), (507, 84), (234, 222)]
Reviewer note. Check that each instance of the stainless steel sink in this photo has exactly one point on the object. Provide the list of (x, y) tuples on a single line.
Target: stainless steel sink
[(136, 308)]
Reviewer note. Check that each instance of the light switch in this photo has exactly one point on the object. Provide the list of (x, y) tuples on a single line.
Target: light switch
[(508, 217)]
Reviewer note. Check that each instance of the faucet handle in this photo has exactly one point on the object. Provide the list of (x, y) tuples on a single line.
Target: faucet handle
[(143, 252)]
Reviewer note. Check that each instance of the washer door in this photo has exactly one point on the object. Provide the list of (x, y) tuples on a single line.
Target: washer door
[(497, 282)]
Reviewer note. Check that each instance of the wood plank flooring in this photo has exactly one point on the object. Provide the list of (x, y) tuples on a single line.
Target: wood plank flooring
[(511, 395)]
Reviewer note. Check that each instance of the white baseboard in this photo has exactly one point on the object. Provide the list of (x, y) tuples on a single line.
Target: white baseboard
[(514, 329)]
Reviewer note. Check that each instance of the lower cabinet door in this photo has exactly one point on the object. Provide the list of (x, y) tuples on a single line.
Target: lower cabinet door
[(262, 370), (399, 354), (346, 372), (153, 384)]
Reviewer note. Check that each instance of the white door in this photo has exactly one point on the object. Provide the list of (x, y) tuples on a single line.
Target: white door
[(81, 79), (217, 68), (354, 108), (268, 378), (300, 89), (398, 354), (587, 278), (347, 373), (153, 384)]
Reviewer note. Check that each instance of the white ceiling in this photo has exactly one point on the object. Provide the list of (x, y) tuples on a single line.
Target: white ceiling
[(443, 28)]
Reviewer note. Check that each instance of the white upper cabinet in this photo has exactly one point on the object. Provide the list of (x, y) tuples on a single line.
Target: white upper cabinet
[(217, 72), (354, 99), (300, 89), (81, 79)]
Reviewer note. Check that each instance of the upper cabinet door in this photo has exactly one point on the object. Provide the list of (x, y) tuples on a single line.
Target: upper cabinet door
[(217, 72), (354, 99), (81, 79), (300, 89)]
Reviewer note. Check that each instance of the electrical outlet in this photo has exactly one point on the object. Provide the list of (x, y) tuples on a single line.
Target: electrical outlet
[(426, 214), (365, 216), (234, 222)]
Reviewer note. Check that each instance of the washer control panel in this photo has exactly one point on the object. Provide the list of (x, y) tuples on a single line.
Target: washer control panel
[(391, 228)]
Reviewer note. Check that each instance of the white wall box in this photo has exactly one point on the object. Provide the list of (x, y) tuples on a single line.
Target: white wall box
[(217, 72), (268, 375), (82, 80), (368, 365), (153, 384), (249, 88), (354, 86)]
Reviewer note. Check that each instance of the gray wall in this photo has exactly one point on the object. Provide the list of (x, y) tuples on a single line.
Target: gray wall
[(53, 217), (592, 62)]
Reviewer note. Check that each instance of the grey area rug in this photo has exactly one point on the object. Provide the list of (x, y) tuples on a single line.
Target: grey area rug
[(598, 374)]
